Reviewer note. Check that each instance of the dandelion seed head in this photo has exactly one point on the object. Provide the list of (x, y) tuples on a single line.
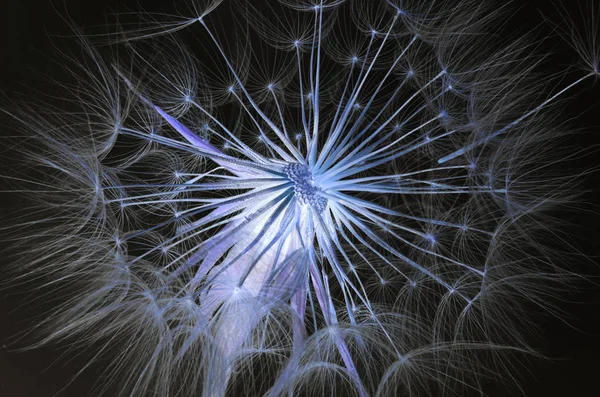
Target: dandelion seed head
[(325, 185)]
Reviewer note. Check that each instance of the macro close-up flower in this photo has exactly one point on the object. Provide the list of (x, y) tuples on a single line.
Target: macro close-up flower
[(300, 197)]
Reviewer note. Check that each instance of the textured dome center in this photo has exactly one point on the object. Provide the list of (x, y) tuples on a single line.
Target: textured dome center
[(304, 186)]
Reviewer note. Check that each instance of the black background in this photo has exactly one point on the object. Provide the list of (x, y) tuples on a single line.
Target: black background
[(573, 367)]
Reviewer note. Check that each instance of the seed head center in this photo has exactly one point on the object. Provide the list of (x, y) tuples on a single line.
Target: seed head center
[(307, 193)]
